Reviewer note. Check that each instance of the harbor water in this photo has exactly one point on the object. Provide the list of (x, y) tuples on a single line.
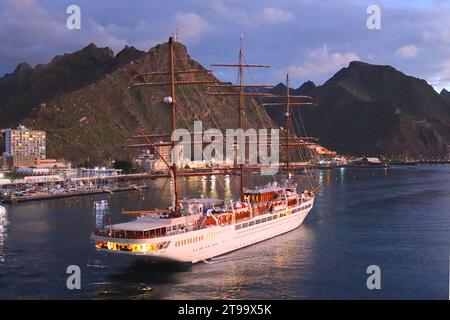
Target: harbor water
[(397, 219)]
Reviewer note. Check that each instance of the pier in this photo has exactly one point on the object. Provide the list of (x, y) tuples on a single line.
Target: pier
[(421, 161), (68, 194)]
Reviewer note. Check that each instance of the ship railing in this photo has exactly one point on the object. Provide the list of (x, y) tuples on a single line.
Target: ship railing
[(134, 235)]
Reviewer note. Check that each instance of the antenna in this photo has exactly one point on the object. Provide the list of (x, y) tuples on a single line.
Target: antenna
[(175, 36)]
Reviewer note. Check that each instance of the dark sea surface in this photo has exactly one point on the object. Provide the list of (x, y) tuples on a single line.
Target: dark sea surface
[(397, 219)]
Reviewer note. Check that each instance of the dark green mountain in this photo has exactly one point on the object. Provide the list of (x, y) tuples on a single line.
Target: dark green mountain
[(374, 110), (83, 102), (22, 91), (445, 93)]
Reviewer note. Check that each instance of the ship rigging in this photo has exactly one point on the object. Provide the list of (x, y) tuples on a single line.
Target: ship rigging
[(196, 229)]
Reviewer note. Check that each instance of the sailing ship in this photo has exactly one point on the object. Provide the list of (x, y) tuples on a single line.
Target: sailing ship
[(198, 229)]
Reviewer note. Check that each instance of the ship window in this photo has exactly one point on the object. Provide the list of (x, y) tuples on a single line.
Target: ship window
[(274, 217), (263, 219), (257, 221), (237, 227), (269, 218), (251, 223), (245, 225), (152, 233)]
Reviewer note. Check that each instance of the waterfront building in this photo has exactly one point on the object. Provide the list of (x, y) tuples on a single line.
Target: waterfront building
[(22, 142), (23, 147), (166, 153)]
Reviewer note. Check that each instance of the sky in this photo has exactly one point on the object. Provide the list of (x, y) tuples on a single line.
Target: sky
[(309, 39)]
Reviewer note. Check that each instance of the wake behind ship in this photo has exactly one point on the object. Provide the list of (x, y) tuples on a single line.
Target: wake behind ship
[(197, 229)]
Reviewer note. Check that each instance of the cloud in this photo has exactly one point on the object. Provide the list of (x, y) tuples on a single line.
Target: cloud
[(276, 33), (21, 4), (191, 27), (223, 12), (441, 79), (249, 17), (273, 16), (407, 52), (35, 34), (321, 61)]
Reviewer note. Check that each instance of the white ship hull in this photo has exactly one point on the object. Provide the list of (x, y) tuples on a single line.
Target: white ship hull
[(206, 243)]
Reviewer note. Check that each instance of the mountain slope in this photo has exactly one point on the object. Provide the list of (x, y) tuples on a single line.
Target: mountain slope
[(445, 94), (22, 91), (91, 119), (368, 109)]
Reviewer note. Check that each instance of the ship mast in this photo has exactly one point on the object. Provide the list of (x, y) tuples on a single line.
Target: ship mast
[(172, 101), (288, 123), (241, 86), (307, 100), (173, 121), (241, 113)]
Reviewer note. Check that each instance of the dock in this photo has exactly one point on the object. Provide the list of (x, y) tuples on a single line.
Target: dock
[(69, 194)]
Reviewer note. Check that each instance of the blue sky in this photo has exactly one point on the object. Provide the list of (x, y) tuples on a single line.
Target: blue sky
[(309, 39)]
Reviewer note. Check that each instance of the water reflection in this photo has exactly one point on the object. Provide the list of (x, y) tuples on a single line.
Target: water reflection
[(204, 186), (228, 192), (342, 174), (101, 211), (291, 251), (234, 279), (213, 189), (3, 229), (142, 279)]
